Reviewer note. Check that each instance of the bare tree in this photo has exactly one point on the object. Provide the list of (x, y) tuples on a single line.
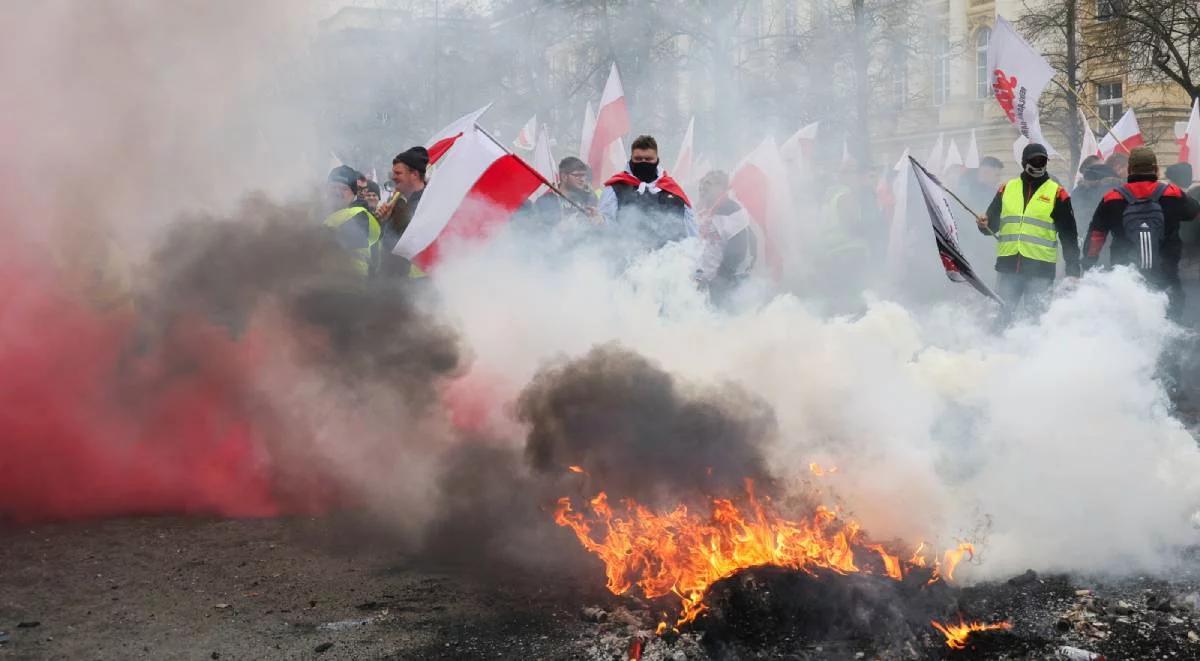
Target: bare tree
[(1162, 38)]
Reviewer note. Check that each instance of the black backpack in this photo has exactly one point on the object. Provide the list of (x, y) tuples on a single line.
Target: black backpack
[(1144, 224)]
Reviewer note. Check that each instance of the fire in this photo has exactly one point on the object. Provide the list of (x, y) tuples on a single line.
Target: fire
[(819, 471), (576, 469), (957, 634), (682, 552)]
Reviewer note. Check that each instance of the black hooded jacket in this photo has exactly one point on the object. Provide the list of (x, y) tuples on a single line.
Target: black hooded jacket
[(1064, 223)]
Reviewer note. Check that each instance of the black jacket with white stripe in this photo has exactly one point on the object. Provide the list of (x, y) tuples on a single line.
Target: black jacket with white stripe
[(1177, 208)]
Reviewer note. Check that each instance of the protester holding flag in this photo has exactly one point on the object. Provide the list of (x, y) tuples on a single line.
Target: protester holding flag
[(645, 202), (1031, 215), (730, 247), (1143, 216), (574, 179), (408, 176)]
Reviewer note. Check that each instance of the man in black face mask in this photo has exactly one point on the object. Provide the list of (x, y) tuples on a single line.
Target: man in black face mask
[(1030, 216), (646, 202)]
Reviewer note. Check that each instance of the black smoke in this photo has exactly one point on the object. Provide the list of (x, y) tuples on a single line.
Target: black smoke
[(640, 432)]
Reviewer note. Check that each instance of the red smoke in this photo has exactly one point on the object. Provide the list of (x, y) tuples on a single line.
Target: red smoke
[(90, 427)]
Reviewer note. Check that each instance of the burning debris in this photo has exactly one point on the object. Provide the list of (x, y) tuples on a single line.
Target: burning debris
[(957, 633), (683, 553)]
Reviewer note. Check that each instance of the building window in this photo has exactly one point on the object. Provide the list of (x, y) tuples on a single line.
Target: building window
[(1108, 102), (1106, 9), (941, 70), (983, 77)]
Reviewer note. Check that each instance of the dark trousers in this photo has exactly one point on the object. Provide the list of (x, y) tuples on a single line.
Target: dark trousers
[(1024, 296)]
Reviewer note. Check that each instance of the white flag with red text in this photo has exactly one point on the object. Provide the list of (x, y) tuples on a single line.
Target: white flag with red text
[(1019, 74), (945, 232), (477, 188)]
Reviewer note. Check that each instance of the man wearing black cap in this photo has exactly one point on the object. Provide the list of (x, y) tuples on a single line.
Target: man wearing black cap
[(574, 180), (408, 176), (355, 228), (1030, 215), (1159, 263)]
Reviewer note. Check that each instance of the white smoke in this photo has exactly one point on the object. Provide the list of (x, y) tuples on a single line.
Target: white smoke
[(1051, 446)]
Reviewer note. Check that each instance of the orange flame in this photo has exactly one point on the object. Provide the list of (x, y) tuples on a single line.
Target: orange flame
[(682, 552), (576, 469), (819, 471), (957, 634)]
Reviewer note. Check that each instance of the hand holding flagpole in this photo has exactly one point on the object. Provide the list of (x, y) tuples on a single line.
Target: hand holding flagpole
[(540, 176)]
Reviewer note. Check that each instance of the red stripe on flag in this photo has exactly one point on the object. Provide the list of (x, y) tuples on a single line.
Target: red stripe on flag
[(442, 146), (1135, 140), (500, 190), (612, 122), (752, 189)]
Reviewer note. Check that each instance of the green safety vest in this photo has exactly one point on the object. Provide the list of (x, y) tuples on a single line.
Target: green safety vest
[(840, 239), (364, 257), (1028, 231)]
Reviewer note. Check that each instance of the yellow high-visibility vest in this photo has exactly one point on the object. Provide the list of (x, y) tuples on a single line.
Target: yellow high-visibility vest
[(840, 239), (1028, 230), (364, 256)]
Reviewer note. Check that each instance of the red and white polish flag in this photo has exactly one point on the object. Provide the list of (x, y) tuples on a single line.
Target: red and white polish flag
[(760, 185), (1088, 147), (477, 188), (612, 122), (1189, 144), (1124, 136), (527, 136), (443, 139), (683, 162)]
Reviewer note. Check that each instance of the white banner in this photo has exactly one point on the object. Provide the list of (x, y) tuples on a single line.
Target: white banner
[(1019, 74)]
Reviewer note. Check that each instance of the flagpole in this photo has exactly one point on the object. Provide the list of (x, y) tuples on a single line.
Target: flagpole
[(951, 194), (1083, 104), (534, 171)]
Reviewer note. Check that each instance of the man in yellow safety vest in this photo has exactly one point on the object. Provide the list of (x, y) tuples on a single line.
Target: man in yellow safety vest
[(1031, 216), (355, 228)]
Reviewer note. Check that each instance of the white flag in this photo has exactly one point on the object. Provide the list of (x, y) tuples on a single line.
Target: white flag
[(945, 232), (543, 161), (589, 127), (527, 136), (936, 161), (899, 225), (971, 161), (1189, 143), (1019, 74), (953, 156)]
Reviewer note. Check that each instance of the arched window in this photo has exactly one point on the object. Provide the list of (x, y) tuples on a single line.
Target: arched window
[(983, 77)]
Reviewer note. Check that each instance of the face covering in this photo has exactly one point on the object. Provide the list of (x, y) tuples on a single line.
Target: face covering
[(1035, 172), (647, 172)]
